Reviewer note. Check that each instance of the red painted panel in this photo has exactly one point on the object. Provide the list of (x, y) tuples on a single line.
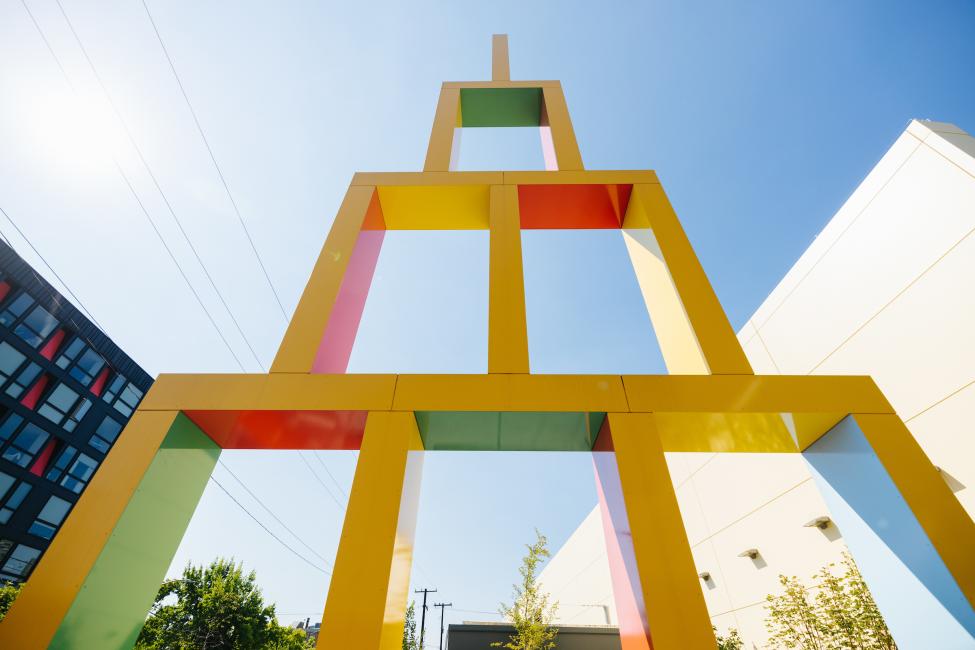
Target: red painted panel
[(572, 206), (627, 592), (98, 385), (374, 214), (339, 336), (51, 347), (40, 465), (34, 394), (4, 289), (282, 429)]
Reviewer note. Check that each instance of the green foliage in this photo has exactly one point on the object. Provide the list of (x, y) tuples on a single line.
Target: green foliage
[(410, 642), (842, 615), (730, 642), (8, 594), (530, 613), (215, 608)]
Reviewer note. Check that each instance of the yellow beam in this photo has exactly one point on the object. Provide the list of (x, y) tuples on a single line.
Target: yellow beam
[(500, 70), (367, 595), (47, 596), (948, 526), (566, 148), (581, 177), (435, 207), (427, 178), (507, 325), (440, 151), (547, 83), (304, 334), (676, 613), (722, 352)]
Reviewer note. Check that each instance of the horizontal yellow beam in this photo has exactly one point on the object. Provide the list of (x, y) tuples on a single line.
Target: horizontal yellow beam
[(811, 396), (275, 392), (566, 177), (501, 84), (412, 179)]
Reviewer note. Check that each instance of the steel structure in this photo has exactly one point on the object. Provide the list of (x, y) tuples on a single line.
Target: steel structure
[(96, 583)]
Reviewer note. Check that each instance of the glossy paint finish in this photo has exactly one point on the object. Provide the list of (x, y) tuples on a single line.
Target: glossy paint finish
[(507, 431), (507, 323), (572, 206)]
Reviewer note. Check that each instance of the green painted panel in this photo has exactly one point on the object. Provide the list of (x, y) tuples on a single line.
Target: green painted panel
[(507, 431), (500, 107), (111, 605)]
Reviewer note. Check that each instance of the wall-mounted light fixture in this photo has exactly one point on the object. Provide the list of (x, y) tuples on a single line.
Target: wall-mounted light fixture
[(705, 576), (751, 553), (822, 523)]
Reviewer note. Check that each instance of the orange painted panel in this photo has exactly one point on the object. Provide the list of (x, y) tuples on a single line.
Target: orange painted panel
[(374, 219), (282, 429), (573, 206)]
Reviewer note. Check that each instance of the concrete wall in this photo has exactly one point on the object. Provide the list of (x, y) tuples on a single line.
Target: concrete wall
[(886, 289)]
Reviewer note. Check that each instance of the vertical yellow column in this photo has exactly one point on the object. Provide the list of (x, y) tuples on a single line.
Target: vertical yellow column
[(947, 525), (556, 113), (719, 349), (443, 148), (677, 616), (366, 602), (304, 334), (507, 325), (500, 70), (38, 611)]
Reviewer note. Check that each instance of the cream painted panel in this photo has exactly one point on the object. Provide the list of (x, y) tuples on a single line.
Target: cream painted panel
[(947, 435), (924, 210), (716, 590), (724, 623), (758, 356), (920, 348), (697, 460), (751, 625), (733, 485), (957, 147), (899, 152), (785, 545), (695, 525), (677, 466)]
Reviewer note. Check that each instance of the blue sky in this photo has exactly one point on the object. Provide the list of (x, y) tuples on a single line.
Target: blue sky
[(760, 119)]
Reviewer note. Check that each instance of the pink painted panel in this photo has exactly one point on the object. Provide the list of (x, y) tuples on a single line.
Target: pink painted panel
[(339, 337), (627, 591), (548, 148)]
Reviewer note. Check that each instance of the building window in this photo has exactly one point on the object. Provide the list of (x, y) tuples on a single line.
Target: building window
[(79, 474), (77, 415), (70, 353), (14, 500), (57, 469), (9, 425), (36, 327), (50, 517), (105, 434), (10, 360), (22, 381), (21, 560), (27, 443), (128, 400), (16, 309), (58, 404)]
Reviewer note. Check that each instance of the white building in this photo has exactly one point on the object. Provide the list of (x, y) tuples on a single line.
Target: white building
[(886, 289)]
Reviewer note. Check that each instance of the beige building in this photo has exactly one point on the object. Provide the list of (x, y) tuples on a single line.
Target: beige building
[(886, 289)]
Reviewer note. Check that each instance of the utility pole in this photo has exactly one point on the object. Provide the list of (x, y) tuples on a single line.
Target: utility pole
[(423, 615), (442, 606)]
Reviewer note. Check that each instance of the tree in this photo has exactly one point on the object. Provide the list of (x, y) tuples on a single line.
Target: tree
[(215, 608), (410, 642), (8, 594), (730, 642), (530, 613), (842, 614)]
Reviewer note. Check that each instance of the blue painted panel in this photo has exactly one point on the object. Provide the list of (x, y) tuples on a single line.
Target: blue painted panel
[(920, 600)]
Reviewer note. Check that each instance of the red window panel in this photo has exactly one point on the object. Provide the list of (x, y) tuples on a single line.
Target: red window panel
[(51, 347), (98, 385), (34, 394)]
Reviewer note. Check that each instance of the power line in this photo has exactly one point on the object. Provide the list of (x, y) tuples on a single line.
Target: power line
[(268, 530), (155, 182), (330, 475), (271, 512), (320, 481), (50, 268), (128, 184), (213, 158)]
